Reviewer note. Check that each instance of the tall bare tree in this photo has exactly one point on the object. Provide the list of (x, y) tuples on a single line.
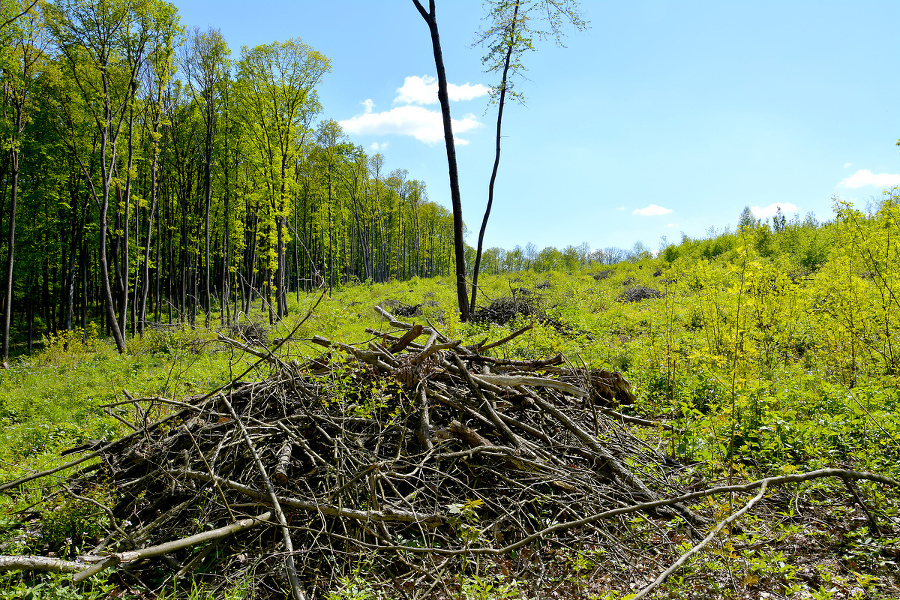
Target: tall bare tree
[(462, 295), (514, 25)]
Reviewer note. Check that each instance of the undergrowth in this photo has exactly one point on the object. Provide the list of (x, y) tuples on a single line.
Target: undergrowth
[(770, 350)]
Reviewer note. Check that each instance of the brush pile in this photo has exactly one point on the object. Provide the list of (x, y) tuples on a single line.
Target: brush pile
[(412, 460), (523, 305), (636, 293)]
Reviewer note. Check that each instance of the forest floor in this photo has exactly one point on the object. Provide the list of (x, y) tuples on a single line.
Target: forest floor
[(735, 380)]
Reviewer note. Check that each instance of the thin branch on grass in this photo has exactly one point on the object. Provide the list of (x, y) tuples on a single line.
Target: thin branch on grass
[(712, 534)]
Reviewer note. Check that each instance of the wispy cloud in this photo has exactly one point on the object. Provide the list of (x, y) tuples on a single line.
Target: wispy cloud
[(421, 123), (764, 212), (672, 225), (865, 177), (651, 211), (376, 147), (424, 90), (847, 165)]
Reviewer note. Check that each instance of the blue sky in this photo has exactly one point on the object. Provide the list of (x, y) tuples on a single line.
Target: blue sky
[(663, 117)]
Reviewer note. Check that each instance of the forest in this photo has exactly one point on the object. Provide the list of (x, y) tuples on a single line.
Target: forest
[(236, 364), (152, 175)]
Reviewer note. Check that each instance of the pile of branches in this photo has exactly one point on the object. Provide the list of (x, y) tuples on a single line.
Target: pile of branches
[(503, 310), (411, 459), (522, 305), (636, 293)]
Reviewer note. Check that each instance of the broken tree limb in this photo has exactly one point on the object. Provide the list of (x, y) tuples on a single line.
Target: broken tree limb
[(408, 337), (394, 322), (172, 546), (288, 544), (330, 510), (432, 349), (283, 461), (87, 563), (266, 356), (684, 557), (517, 380), (40, 563), (510, 337)]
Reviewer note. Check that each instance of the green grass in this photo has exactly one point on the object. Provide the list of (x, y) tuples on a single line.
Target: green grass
[(759, 372)]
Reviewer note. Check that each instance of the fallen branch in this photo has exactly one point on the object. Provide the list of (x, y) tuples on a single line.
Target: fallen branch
[(684, 557), (84, 563), (387, 514), (512, 336), (39, 563), (288, 544)]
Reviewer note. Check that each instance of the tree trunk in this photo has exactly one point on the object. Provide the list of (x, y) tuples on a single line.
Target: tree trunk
[(10, 255), (490, 202), (458, 242)]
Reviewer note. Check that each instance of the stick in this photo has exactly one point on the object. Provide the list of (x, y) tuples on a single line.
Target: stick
[(288, 544), (167, 547), (635, 420), (283, 461), (684, 557), (329, 510), (513, 335), (401, 325), (55, 565), (424, 430), (432, 349), (514, 380), (873, 524), (39, 563), (408, 337), (266, 356)]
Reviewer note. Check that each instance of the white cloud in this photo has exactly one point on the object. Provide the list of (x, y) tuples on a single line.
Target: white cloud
[(651, 211), (621, 208), (421, 123), (865, 177), (423, 90), (672, 225), (847, 165), (375, 146), (764, 212)]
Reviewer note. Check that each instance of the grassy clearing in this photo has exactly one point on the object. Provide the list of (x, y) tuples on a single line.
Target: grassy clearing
[(761, 365)]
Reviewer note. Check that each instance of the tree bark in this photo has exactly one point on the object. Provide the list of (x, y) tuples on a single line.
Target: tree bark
[(10, 256), (462, 295)]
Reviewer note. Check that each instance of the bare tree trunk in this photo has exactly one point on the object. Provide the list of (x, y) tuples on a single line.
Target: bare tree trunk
[(490, 202), (154, 198), (10, 256), (126, 254), (330, 240), (458, 242)]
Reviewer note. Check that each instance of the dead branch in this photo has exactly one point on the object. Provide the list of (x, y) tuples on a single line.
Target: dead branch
[(684, 557)]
